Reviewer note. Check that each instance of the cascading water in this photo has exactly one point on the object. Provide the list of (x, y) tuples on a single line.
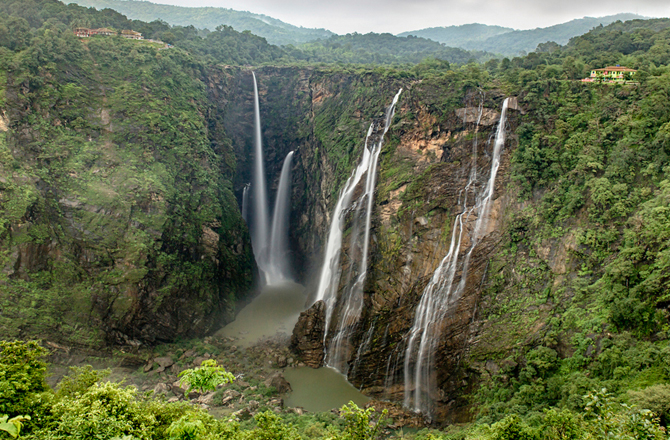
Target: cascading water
[(278, 268), (259, 218), (351, 301), (443, 291), (270, 246)]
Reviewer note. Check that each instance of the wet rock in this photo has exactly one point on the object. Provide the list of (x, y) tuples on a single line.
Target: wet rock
[(297, 410), (282, 362), (307, 338), (148, 367), (277, 401), (164, 362), (161, 388), (279, 383)]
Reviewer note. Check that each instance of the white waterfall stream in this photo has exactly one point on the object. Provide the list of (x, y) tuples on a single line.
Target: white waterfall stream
[(278, 269), (270, 245), (259, 218), (443, 291), (351, 301)]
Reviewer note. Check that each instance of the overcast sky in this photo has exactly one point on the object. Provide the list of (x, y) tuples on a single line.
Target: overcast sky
[(395, 16)]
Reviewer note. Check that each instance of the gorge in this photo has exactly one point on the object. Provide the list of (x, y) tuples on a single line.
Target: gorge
[(473, 242)]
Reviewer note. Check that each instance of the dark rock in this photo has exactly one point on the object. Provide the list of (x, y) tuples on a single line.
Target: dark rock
[(279, 383), (282, 362), (307, 338)]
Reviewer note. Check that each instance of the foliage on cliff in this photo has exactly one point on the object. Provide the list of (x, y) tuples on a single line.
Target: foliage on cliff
[(117, 213)]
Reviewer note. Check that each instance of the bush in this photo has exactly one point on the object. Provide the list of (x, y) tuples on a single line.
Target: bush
[(22, 371), (512, 428), (655, 398)]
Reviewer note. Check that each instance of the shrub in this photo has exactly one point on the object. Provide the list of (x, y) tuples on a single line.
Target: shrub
[(655, 398), (205, 377), (512, 428), (22, 371)]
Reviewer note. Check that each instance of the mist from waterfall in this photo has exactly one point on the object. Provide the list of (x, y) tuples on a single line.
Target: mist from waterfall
[(444, 290), (351, 301), (278, 269), (270, 246)]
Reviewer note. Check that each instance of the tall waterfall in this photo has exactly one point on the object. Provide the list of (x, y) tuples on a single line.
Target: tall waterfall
[(270, 246), (259, 226), (443, 291), (278, 268), (351, 301)]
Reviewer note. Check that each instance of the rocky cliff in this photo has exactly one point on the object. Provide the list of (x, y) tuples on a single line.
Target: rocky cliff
[(119, 223), (423, 169)]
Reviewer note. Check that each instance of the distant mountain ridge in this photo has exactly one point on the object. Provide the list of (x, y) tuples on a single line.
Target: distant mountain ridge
[(458, 36), (273, 30), (514, 42)]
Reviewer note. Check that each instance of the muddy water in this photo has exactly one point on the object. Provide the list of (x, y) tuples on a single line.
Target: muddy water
[(276, 310), (320, 389)]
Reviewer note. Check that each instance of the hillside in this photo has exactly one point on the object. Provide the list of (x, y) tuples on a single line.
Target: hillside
[(273, 30), (512, 42), (382, 49), (466, 35)]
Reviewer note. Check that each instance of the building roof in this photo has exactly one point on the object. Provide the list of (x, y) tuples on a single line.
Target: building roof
[(129, 32), (615, 69)]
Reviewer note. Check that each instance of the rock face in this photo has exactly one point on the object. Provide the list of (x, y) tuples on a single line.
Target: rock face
[(121, 219), (307, 338), (425, 164)]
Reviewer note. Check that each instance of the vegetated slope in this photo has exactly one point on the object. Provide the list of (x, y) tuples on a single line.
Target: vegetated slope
[(273, 30), (459, 36), (526, 41), (382, 49), (514, 42), (117, 218)]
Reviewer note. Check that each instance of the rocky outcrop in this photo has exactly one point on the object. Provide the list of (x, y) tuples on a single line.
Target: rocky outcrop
[(308, 333)]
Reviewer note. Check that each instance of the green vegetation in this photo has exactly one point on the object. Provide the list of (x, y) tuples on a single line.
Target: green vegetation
[(206, 377), (110, 185), (273, 30)]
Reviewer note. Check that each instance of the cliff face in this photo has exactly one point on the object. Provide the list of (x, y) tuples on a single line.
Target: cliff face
[(118, 220), (425, 164)]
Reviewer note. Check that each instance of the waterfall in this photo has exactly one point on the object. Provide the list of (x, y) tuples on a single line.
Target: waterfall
[(259, 228), (245, 202), (351, 300), (443, 291), (278, 267)]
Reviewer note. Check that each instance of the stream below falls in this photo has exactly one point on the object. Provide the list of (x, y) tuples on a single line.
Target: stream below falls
[(275, 311)]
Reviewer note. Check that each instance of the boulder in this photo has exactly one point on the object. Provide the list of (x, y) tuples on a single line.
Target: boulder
[(279, 383), (307, 338), (164, 362), (161, 388)]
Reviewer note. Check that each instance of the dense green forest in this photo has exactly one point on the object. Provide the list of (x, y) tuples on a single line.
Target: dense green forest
[(273, 30), (116, 135)]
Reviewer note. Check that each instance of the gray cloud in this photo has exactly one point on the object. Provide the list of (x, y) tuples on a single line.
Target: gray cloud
[(394, 16)]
